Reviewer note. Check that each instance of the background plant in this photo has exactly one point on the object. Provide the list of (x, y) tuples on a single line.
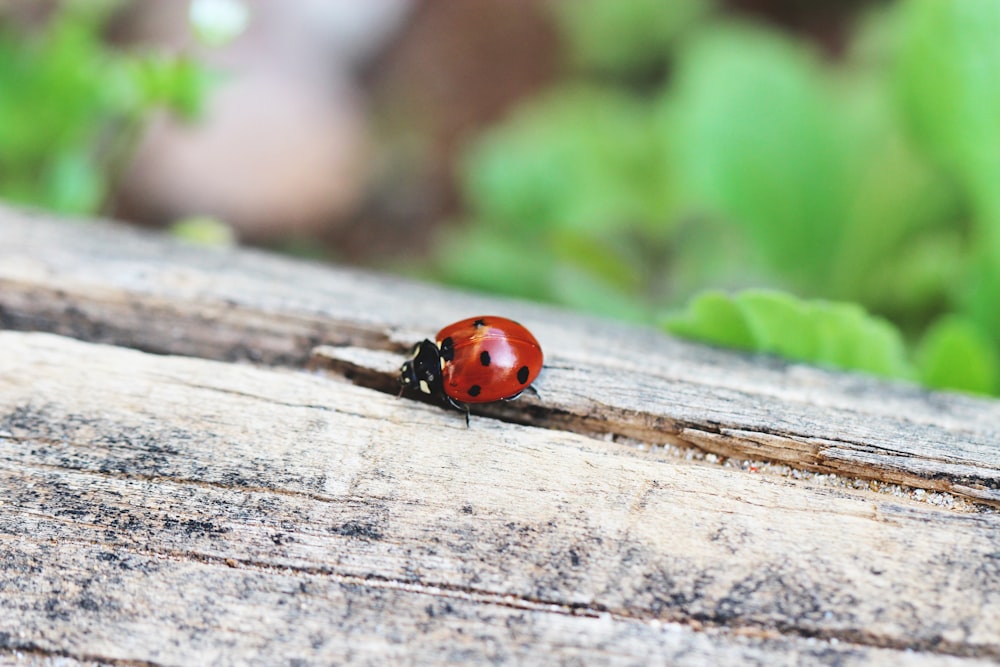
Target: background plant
[(754, 161), (72, 106), (842, 210)]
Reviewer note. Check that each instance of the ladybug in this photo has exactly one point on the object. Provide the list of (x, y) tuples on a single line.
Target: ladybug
[(478, 360)]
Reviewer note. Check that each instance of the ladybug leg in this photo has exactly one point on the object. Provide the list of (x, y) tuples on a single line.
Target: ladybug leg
[(463, 407), (529, 389)]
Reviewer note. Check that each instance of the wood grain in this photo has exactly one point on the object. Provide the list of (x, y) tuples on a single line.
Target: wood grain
[(169, 510), (99, 282)]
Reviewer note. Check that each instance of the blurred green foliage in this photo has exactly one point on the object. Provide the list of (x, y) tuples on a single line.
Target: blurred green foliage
[(841, 335), (624, 37), (203, 230), (71, 105), (869, 182)]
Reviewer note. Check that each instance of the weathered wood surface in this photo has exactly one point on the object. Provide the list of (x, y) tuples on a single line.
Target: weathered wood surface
[(101, 283), (161, 510), (168, 510)]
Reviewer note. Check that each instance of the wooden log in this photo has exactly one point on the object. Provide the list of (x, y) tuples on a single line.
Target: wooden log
[(168, 510), (102, 283), (179, 508)]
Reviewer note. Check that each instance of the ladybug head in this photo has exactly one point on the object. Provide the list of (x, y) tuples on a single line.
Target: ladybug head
[(423, 371)]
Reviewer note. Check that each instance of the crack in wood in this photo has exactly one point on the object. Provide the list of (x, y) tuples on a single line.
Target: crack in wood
[(730, 440)]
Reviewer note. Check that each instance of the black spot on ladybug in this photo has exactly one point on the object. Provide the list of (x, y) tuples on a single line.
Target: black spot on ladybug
[(484, 358), (447, 349), (479, 323), (474, 390), (522, 374)]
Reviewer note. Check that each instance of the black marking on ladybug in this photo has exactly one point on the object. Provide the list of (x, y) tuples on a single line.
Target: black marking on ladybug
[(423, 371), (484, 358), (522, 374), (474, 390), (447, 349), (479, 323)]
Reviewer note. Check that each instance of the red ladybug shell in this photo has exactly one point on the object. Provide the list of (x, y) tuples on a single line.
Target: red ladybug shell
[(487, 358)]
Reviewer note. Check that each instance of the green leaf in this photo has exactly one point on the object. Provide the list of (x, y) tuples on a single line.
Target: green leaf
[(759, 142), (842, 335), (780, 323), (576, 159), (949, 86), (895, 196), (714, 317), (204, 230), (948, 82), (916, 281), (848, 337), (954, 354), (74, 184), (173, 81), (980, 297)]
